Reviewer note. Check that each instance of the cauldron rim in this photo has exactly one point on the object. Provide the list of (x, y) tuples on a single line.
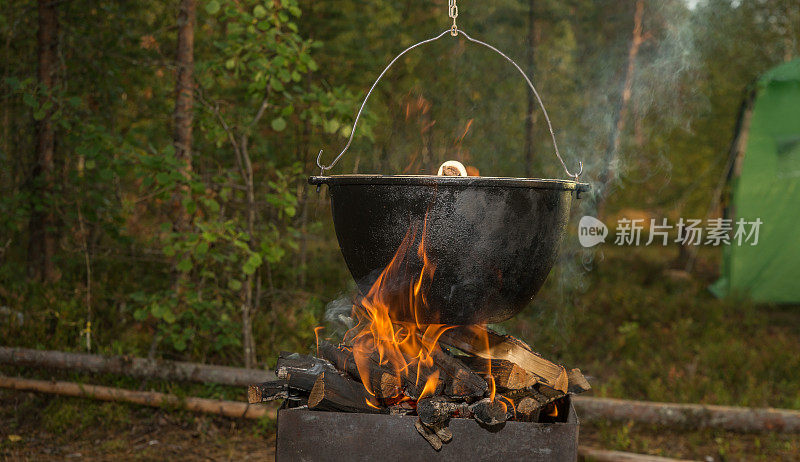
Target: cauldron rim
[(433, 180)]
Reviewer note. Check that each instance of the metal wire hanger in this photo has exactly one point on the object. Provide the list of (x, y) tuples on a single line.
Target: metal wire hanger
[(453, 31)]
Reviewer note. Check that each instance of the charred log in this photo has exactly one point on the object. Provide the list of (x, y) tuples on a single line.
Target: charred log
[(300, 372), (460, 381), (382, 381), (267, 391), (333, 392), (436, 412), (429, 435), (489, 413)]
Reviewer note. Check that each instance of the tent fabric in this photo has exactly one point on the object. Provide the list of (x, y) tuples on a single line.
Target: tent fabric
[(767, 187)]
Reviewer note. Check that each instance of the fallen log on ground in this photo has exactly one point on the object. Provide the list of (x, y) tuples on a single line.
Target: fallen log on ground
[(232, 409), (601, 455), (682, 416), (689, 416), (134, 367)]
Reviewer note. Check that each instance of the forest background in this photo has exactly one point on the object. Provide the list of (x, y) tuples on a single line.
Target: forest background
[(154, 156)]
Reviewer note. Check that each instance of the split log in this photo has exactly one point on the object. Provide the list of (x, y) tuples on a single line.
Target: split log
[(301, 371), (689, 416), (577, 382), (341, 357), (233, 409), (506, 348), (134, 367), (267, 391), (460, 380), (528, 410), (383, 382), (333, 392), (414, 383), (506, 374)]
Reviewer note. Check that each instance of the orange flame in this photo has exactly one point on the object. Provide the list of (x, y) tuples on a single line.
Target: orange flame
[(405, 348), (492, 386), (394, 329), (316, 336), (430, 385)]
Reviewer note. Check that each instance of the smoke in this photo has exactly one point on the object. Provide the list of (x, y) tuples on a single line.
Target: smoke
[(663, 100), (338, 316)]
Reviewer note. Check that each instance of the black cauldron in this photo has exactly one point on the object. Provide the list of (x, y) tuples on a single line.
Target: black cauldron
[(493, 241)]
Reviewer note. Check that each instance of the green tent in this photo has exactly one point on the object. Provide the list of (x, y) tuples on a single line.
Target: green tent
[(765, 184)]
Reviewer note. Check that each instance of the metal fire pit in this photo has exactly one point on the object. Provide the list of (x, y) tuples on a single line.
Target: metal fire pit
[(305, 435)]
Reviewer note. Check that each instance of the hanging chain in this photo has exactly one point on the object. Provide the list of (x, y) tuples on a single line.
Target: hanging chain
[(453, 13)]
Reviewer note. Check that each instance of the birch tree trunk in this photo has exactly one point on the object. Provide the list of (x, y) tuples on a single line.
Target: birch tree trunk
[(610, 166)]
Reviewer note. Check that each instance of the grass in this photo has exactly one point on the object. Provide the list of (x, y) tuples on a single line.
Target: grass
[(641, 331)]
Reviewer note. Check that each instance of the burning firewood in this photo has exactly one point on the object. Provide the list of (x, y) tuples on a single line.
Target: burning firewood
[(490, 412), (460, 380), (383, 382), (436, 411), (434, 416), (301, 371), (506, 374), (497, 378), (335, 392), (506, 348)]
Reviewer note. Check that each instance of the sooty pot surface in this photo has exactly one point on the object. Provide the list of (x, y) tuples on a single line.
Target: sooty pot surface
[(491, 242)]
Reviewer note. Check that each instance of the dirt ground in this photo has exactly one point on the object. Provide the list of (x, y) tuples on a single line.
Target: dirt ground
[(40, 427)]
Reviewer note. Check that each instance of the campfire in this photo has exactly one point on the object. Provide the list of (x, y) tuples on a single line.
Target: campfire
[(436, 258), (393, 360)]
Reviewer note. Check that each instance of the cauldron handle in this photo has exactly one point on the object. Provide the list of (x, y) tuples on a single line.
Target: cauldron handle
[(454, 32)]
